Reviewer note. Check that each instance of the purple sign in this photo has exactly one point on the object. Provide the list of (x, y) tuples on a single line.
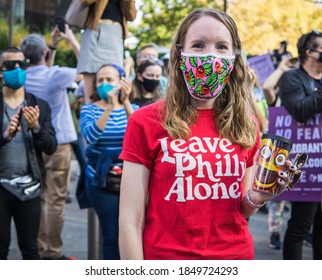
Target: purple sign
[(263, 66), (307, 138)]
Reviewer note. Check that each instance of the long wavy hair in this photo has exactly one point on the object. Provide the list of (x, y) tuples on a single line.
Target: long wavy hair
[(233, 108)]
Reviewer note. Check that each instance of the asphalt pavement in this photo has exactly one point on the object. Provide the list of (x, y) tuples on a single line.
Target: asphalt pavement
[(75, 232)]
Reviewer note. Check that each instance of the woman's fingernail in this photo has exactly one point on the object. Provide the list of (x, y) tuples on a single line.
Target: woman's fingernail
[(281, 173), (292, 166)]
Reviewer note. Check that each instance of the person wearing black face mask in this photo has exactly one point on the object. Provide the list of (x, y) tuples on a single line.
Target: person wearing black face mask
[(300, 93), (150, 84), (146, 85), (320, 55)]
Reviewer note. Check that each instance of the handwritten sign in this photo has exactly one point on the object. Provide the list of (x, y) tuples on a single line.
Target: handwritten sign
[(307, 138)]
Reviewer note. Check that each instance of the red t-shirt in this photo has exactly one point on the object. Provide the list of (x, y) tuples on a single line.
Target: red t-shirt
[(195, 189)]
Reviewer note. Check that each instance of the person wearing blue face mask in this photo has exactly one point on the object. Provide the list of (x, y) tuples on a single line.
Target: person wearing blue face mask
[(14, 78), (103, 124), (26, 133)]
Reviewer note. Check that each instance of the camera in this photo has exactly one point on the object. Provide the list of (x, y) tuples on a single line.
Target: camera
[(61, 24)]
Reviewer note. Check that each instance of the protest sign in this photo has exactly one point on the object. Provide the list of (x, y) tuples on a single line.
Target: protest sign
[(263, 66), (307, 138)]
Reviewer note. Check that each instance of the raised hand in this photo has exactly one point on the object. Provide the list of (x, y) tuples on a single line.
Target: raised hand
[(14, 126), (31, 114)]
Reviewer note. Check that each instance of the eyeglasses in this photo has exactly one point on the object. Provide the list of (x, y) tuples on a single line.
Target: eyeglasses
[(314, 33), (154, 61), (11, 64)]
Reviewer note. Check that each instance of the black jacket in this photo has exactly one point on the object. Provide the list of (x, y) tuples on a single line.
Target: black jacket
[(299, 96), (43, 141)]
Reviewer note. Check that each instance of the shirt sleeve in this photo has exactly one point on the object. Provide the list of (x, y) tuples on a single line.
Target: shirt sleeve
[(136, 144), (90, 130), (65, 76)]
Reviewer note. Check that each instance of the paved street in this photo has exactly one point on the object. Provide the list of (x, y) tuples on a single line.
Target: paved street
[(75, 232)]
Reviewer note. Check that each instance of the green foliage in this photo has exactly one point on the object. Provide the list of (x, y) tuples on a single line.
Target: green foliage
[(265, 23), (64, 56), (161, 18), (19, 32), (262, 24)]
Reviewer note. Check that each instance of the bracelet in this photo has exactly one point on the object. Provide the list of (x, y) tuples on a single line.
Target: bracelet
[(51, 48), (251, 204)]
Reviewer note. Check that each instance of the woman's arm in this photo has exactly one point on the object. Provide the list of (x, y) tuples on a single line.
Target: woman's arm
[(134, 190), (247, 181), (252, 200), (126, 88), (88, 2), (269, 85), (90, 128), (129, 10)]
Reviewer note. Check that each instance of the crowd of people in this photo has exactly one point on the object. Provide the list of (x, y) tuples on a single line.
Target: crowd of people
[(166, 153)]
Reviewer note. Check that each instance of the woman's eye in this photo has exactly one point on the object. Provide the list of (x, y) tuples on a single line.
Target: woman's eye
[(198, 46), (222, 47)]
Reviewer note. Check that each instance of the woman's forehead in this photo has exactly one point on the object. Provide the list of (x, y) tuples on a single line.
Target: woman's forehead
[(208, 28), (108, 70), (153, 69)]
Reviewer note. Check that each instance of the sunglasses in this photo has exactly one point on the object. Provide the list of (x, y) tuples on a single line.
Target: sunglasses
[(11, 64), (155, 61), (313, 33)]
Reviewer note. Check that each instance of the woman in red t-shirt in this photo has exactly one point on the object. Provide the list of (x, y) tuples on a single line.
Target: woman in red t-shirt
[(188, 159)]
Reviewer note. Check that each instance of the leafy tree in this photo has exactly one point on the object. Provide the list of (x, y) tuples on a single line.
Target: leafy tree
[(262, 24), (161, 18), (64, 57)]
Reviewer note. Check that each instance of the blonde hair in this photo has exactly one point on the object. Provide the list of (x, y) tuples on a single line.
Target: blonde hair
[(233, 109)]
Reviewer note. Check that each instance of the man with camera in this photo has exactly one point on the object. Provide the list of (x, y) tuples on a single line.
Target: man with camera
[(50, 83), (301, 94), (26, 133)]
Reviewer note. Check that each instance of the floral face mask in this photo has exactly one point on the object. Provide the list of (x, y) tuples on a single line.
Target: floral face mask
[(206, 75)]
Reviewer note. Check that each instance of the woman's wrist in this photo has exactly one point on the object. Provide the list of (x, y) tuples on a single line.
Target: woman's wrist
[(251, 202), (108, 108), (126, 102)]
